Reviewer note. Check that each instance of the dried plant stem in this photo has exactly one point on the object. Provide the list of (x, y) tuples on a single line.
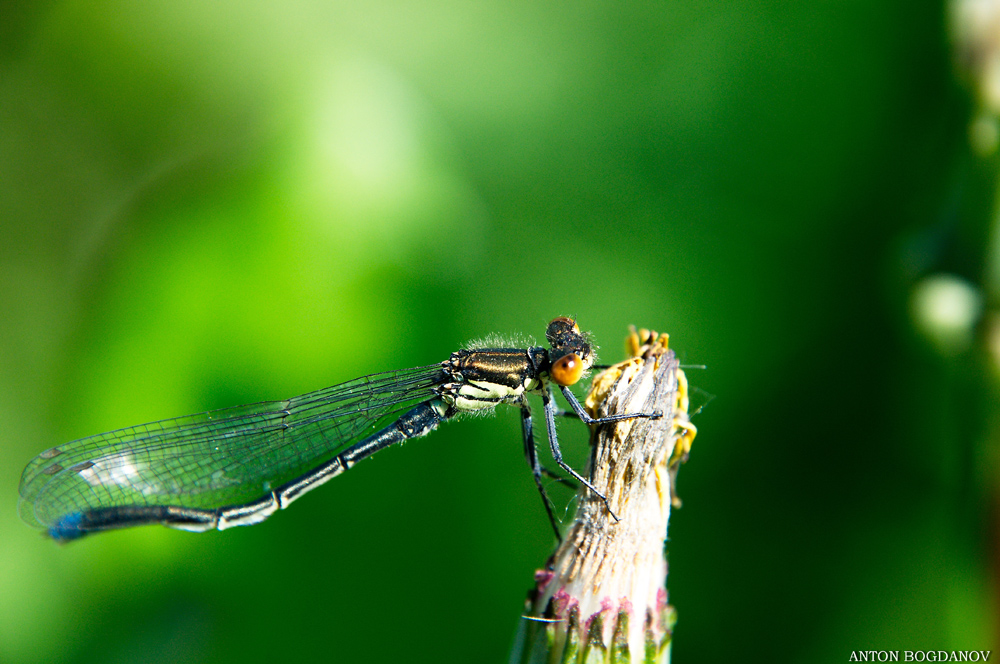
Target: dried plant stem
[(602, 596)]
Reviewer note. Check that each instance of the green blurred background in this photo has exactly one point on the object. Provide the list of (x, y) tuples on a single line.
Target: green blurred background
[(210, 203)]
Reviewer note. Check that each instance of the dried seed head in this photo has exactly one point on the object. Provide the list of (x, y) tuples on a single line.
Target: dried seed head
[(603, 596)]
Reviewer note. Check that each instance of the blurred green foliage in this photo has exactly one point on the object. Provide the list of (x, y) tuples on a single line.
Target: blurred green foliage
[(206, 204)]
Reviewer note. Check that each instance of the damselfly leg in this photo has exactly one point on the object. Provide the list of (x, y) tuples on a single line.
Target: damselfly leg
[(551, 411)]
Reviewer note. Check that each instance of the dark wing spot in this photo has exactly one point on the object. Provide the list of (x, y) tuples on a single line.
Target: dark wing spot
[(83, 465)]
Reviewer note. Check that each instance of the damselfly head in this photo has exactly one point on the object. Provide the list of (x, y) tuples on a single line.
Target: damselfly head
[(561, 331), (571, 354)]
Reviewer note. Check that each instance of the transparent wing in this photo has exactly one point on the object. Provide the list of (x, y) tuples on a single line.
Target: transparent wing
[(219, 458)]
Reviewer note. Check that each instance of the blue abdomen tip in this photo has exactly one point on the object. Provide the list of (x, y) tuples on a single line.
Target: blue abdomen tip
[(67, 528)]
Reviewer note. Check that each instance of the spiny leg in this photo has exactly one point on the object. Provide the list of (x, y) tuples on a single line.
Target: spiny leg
[(550, 425), (553, 475), (587, 419), (536, 469)]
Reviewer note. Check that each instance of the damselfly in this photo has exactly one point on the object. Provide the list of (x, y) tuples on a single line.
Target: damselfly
[(237, 466)]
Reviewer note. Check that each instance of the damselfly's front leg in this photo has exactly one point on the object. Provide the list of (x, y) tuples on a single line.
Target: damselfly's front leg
[(550, 425), (579, 411)]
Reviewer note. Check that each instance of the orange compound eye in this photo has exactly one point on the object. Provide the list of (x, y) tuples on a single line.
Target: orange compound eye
[(567, 369)]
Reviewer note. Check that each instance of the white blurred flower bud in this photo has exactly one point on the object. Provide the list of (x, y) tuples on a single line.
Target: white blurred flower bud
[(946, 308)]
